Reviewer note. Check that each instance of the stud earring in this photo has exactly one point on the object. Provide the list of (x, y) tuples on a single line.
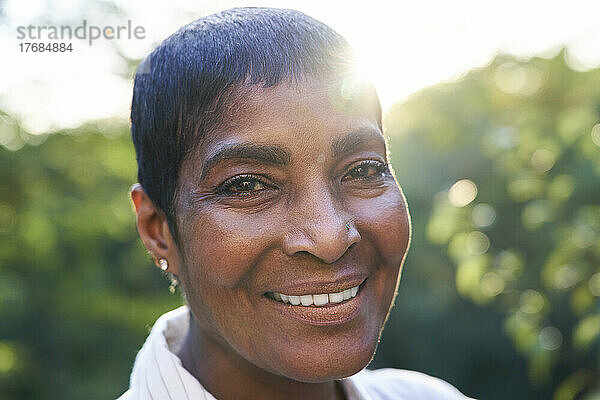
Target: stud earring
[(348, 227), (164, 265)]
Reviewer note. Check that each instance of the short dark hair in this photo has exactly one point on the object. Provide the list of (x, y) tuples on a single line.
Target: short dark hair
[(181, 88)]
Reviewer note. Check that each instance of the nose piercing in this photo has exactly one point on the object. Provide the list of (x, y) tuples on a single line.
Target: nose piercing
[(348, 227)]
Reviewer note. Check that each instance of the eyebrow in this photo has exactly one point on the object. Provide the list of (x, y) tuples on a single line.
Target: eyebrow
[(266, 154), (279, 156), (349, 143)]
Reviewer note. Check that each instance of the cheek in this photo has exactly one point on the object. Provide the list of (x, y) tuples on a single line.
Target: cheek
[(222, 246), (384, 224), (384, 221), (220, 254)]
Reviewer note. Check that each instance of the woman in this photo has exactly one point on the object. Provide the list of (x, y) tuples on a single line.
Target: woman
[(264, 187)]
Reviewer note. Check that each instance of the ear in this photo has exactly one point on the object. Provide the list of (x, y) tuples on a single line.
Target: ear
[(154, 230)]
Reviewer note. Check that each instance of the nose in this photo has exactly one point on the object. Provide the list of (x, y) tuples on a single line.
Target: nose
[(321, 227)]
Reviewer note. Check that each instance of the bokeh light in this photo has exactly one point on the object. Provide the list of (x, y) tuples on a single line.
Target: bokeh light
[(566, 277), (594, 284), (596, 134), (492, 284), (542, 160), (531, 301), (483, 215), (510, 77), (462, 193), (583, 236), (477, 243), (550, 338), (536, 213), (8, 358)]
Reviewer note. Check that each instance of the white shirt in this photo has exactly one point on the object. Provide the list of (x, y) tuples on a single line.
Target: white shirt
[(159, 375)]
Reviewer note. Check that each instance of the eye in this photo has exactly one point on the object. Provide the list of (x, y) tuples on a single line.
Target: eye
[(367, 170), (242, 185)]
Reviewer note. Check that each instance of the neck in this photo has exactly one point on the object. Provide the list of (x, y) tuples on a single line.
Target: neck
[(228, 375)]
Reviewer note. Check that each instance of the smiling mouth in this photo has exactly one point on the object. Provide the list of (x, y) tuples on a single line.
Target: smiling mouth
[(315, 300)]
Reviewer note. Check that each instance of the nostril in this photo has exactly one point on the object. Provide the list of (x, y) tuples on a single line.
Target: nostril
[(321, 237)]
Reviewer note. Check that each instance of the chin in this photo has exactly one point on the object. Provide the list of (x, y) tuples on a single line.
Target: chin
[(322, 366)]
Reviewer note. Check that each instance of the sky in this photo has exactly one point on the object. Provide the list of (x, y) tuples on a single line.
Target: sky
[(404, 46)]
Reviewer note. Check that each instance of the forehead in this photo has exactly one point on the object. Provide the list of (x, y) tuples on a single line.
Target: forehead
[(345, 96), (295, 112), (309, 117)]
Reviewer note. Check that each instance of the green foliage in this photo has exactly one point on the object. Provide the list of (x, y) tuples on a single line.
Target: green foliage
[(504, 165), (500, 292), (76, 288)]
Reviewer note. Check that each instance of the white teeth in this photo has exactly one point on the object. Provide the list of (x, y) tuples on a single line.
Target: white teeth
[(320, 299), (336, 297), (346, 294), (306, 300), (317, 299)]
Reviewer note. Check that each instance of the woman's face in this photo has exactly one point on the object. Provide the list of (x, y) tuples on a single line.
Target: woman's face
[(293, 198)]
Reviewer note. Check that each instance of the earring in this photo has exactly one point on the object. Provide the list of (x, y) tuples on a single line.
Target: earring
[(164, 265), (348, 227), (174, 283)]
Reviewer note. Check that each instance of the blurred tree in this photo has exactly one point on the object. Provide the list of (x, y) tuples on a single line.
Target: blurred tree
[(77, 292), (504, 167)]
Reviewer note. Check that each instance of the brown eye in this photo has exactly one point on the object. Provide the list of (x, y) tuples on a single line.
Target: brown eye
[(242, 185), (367, 170), (247, 185)]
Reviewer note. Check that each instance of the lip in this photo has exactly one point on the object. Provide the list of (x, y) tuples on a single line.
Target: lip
[(336, 286), (327, 315)]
